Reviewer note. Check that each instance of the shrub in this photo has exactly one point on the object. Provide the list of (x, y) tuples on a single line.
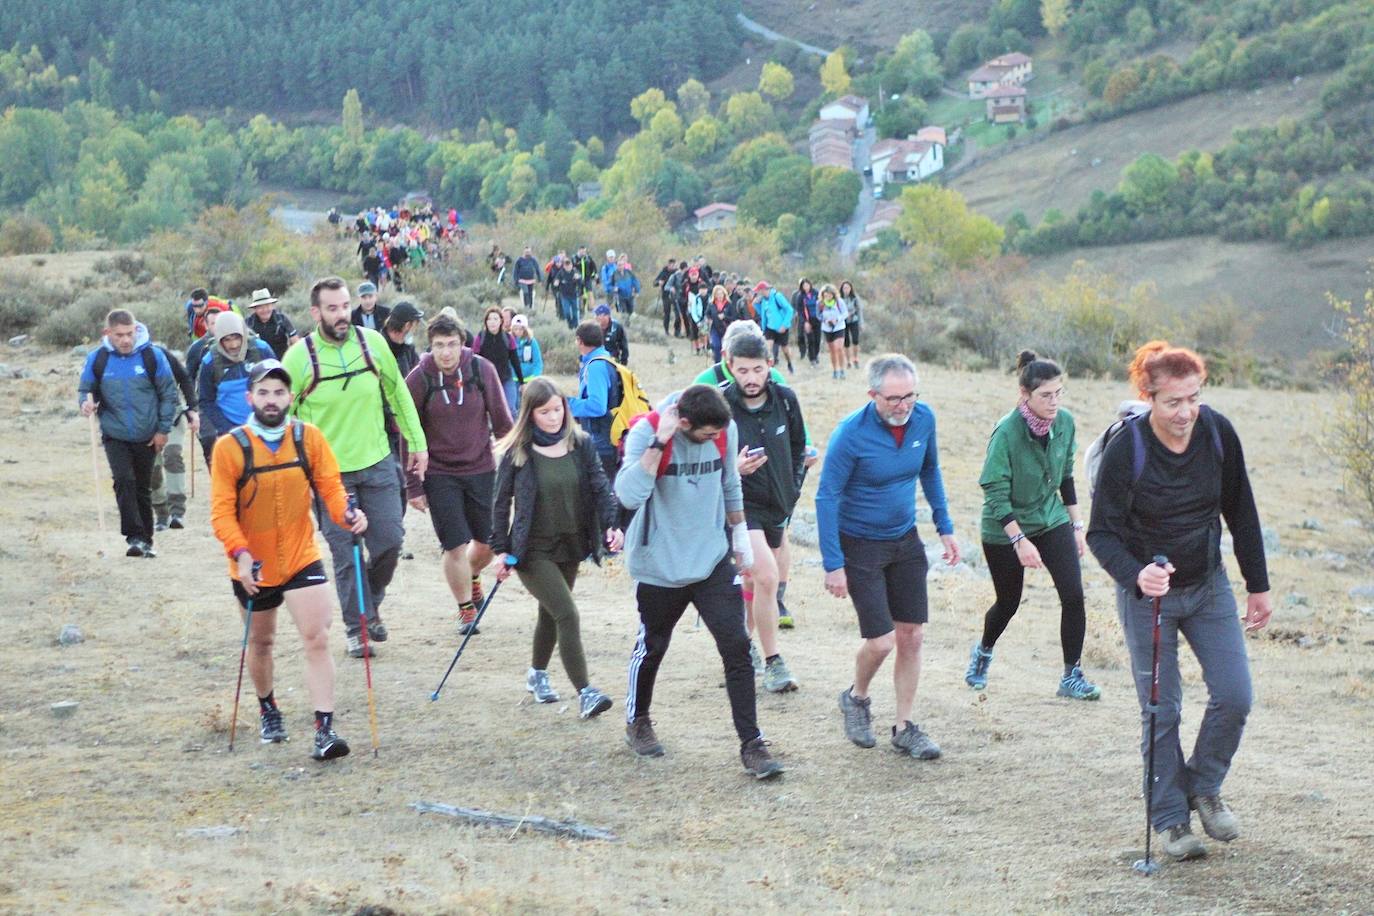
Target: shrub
[(1351, 436), (79, 321), (24, 301), (22, 234)]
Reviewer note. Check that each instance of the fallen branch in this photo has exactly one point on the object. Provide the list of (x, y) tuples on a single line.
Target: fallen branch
[(571, 829)]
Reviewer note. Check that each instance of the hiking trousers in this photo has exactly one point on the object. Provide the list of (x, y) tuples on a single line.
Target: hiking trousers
[(551, 583), (1059, 551), (717, 599), (377, 489), (131, 466), (169, 475), (1206, 616)]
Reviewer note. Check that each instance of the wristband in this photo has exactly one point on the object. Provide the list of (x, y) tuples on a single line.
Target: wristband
[(654, 443), (1019, 536), (1079, 526)]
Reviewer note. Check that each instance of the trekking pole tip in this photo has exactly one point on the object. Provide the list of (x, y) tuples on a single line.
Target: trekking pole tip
[(434, 697), (1145, 866)]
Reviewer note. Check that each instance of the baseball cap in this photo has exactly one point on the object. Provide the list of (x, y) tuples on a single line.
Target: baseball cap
[(602, 309), (367, 288), (519, 321), (760, 286), (268, 367), (405, 313)]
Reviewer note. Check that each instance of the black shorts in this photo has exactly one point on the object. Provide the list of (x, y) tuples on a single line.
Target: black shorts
[(833, 335), (887, 580), (773, 528), (269, 599), (851, 335), (460, 507), (779, 336)]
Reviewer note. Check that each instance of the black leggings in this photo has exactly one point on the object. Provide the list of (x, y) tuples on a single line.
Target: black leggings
[(1059, 552)]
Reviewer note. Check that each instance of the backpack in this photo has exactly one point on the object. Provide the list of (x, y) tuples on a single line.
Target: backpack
[(102, 359), (431, 388), (482, 335), (370, 365), (251, 470), (1093, 458), (633, 402)]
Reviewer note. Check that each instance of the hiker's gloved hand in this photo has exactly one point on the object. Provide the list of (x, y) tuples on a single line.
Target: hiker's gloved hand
[(744, 551)]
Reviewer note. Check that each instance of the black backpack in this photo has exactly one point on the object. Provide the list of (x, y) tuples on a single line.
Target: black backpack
[(102, 359), (432, 388), (251, 470)]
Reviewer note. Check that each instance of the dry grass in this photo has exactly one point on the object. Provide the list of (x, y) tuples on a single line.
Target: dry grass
[(831, 23), (1034, 807)]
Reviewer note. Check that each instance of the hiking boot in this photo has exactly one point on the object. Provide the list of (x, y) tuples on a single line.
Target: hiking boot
[(911, 740), (477, 594), (976, 674), (592, 702), (639, 735), (858, 718), (467, 621), (273, 731), (160, 525), (1077, 687), (355, 646), (1180, 843), (176, 522), (328, 746), (376, 632), (537, 683), (1216, 817), (755, 658), (777, 678), (757, 761)]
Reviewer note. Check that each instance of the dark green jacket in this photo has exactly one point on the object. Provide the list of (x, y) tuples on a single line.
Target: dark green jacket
[(1021, 477)]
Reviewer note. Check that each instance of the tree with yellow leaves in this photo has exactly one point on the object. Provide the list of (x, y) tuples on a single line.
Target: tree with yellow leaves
[(834, 74)]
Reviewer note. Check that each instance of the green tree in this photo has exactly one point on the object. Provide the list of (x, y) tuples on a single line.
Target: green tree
[(648, 103), (1146, 182), (34, 148), (961, 51), (693, 100), (784, 188), (913, 66), (582, 171), (1054, 15), (100, 198), (940, 219), (776, 81), (748, 161), (792, 231), (834, 74), (558, 145), (703, 137), (666, 127), (901, 118), (352, 117), (834, 193), (748, 115)]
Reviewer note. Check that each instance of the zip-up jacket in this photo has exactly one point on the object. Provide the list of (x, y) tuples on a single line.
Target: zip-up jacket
[(775, 311), (531, 358), (223, 386), (132, 407), (597, 382), (617, 343), (1027, 480), (608, 277), (520, 486), (459, 417), (773, 489)]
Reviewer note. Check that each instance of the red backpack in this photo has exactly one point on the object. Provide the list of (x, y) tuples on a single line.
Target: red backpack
[(722, 440)]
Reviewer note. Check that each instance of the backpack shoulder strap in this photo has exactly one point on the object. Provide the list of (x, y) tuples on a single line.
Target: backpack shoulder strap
[(367, 353), (719, 370), (150, 363), (241, 437), (1137, 448), (298, 439), (314, 354), (102, 359)]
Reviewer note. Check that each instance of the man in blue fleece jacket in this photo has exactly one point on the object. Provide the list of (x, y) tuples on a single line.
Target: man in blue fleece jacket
[(866, 520)]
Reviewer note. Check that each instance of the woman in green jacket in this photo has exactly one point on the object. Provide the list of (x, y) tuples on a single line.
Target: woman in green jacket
[(1031, 520)]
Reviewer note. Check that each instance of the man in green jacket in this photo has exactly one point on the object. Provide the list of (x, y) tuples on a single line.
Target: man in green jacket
[(341, 375)]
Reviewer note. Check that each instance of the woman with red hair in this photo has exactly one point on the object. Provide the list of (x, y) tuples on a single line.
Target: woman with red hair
[(1166, 482)]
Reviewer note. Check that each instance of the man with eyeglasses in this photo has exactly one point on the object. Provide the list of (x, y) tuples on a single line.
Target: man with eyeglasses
[(866, 519)]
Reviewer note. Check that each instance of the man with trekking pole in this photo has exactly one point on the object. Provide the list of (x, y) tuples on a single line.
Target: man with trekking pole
[(262, 480), (1167, 480)]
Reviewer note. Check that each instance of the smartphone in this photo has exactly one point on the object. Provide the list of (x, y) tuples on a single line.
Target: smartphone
[(755, 452)]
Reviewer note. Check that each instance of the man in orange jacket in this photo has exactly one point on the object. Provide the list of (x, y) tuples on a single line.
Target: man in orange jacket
[(263, 520)]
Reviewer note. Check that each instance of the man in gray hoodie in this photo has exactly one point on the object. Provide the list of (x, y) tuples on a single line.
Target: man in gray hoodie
[(681, 472)]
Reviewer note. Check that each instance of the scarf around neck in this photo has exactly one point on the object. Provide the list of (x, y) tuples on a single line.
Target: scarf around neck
[(268, 433), (544, 440), (1039, 427)]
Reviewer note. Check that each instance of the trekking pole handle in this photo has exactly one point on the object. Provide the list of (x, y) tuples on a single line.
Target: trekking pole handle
[(1161, 560)]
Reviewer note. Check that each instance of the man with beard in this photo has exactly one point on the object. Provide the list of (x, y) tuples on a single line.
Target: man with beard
[(223, 376), (263, 520), (341, 375)]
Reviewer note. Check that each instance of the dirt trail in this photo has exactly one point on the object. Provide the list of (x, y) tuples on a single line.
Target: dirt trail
[(1034, 807)]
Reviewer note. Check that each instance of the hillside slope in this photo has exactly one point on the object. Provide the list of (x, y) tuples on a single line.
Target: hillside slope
[(862, 23)]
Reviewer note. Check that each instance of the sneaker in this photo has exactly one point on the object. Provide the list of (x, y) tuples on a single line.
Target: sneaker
[(785, 621), (1216, 817), (376, 632), (911, 740), (537, 683), (355, 647), (757, 761), (858, 718), (976, 674), (176, 522), (160, 525), (639, 735), (592, 702), (755, 658), (777, 678), (148, 551), (477, 594), (273, 731), (1180, 843), (1076, 687), (467, 621), (328, 746), (135, 549)]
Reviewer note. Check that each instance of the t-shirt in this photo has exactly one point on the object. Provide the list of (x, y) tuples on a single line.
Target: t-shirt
[(554, 532)]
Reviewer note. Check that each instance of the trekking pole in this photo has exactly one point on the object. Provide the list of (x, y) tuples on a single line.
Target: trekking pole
[(362, 614), (193, 438), (93, 423), (1146, 866), (464, 644), (243, 654)]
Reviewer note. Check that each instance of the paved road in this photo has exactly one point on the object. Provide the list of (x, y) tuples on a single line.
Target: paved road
[(752, 26), (298, 220), (854, 232)]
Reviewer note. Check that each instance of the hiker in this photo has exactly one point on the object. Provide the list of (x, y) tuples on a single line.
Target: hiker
[(598, 387), (499, 264), (626, 286), (527, 275), (200, 303), (373, 268), (1031, 520), (223, 376), (585, 272), (769, 421), (553, 509), (369, 314), (399, 330), (169, 464), (564, 285), (682, 476), (195, 358), (720, 314), (833, 319), (866, 524), (665, 295), (692, 299), (498, 348), (1166, 481), (806, 304), (458, 396), (615, 341), (531, 359), (341, 375), (853, 322), (270, 325), (607, 275), (263, 521), (775, 317), (128, 384)]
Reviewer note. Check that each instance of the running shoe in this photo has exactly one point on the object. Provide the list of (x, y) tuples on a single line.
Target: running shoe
[(785, 621), (356, 649), (1077, 687), (1216, 817), (477, 593), (757, 761), (755, 658), (858, 718), (777, 678), (328, 746), (911, 740), (176, 522), (976, 674), (639, 735), (273, 730), (467, 621), (160, 525), (376, 632), (592, 702), (537, 683), (135, 548)]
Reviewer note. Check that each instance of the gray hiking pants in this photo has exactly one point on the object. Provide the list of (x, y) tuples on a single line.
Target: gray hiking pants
[(376, 489), (1206, 616), (169, 475)]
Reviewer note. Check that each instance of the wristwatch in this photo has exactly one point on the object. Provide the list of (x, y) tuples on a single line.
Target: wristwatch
[(654, 443)]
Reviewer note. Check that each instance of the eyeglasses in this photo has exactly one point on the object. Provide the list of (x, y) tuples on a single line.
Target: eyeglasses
[(897, 400), (1049, 397)]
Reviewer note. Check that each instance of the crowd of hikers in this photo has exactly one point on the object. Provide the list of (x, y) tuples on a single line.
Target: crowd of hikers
[(392, 241), (695, 492)]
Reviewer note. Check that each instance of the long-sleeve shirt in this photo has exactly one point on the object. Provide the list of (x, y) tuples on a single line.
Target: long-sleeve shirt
[(531, 359), (459, 415), (868, 481), (1176, 506), (593, 400)]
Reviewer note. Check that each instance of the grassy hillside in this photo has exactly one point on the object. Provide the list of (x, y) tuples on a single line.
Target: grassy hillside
[(862, 24)]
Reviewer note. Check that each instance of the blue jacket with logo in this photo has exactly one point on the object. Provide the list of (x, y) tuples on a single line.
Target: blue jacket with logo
[(132, 406), (224, 402)]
